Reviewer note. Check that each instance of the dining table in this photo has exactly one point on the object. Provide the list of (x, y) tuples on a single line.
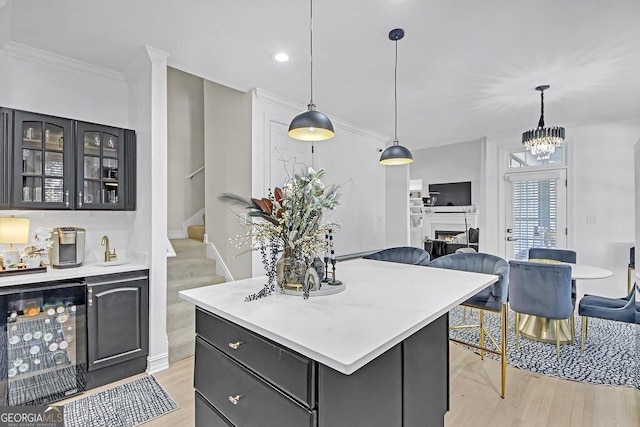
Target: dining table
[(544, 330)]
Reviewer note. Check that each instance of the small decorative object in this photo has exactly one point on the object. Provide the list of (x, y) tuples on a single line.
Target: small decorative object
[(40, 244), (320, 268), (288, 220)]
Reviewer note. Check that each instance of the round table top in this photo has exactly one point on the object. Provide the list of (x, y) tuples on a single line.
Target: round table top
[(579, 271)]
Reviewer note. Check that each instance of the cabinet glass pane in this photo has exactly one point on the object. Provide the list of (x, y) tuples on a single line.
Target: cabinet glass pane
[(92, 167), (31, 189), (91, 193), (32, 134), (53, 163), (53, 137), (53, 190), (111, 192), (32, 161), (110, 169), (110, 147), (92, 143)]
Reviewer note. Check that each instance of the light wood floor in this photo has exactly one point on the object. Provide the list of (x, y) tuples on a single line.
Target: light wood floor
[(532, 400)]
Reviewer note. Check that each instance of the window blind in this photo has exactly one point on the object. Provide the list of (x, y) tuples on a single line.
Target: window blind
[(533, 217)]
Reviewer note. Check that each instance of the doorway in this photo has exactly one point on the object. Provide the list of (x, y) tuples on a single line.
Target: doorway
[(536, 211)]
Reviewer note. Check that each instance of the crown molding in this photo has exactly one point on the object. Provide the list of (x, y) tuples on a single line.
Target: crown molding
[(18, 50), (146, 56), (279, 101)]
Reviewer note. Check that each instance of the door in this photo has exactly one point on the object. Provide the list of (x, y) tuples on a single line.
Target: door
[(288, 156), (100, 177), (43, 165), (117, 319), (536, 211)]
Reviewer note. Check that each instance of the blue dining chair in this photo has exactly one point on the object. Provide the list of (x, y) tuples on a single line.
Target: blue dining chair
[(618, 309), (542, 290), (492, 299), (402, 254)]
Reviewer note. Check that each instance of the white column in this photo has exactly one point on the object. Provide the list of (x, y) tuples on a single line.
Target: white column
[(146, 77)]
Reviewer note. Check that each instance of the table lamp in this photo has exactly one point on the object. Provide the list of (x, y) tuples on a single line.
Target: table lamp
[(13, 230)]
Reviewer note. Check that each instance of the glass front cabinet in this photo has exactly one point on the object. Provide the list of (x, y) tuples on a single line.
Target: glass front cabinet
[(66, 164)]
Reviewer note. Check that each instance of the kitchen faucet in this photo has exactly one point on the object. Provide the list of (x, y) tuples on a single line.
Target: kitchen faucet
[(108, 255)]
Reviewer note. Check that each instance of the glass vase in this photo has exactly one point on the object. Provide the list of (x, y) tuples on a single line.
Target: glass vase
[(290, 271)]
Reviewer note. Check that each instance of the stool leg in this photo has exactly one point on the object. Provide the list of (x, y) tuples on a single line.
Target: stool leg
[(517, 328), (558, 338), (583, 333), (464, 314), (505, 314), (573, 327), (482, 334)]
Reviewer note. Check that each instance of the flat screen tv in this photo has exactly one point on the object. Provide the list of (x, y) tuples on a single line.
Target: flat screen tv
[(451, 194)]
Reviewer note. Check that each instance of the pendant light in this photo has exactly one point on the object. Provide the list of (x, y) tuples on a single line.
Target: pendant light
[(311, 125), (542, 141), (396, 154)]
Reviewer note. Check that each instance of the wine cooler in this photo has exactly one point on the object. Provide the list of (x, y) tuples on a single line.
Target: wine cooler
[(43, 342)]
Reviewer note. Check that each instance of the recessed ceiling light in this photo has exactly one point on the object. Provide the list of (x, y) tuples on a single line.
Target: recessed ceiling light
[(281, 57)]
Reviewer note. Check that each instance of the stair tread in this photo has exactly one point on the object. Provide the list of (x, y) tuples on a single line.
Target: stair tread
[(193, 282)]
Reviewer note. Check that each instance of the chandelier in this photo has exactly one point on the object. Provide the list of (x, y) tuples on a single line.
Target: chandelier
[(542, 141)]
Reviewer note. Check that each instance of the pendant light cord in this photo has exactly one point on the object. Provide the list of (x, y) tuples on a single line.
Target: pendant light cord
[(395, 96), (541, 121), (311, 50)]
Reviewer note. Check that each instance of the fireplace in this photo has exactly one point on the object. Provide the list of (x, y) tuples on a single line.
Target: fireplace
[(446, 235)]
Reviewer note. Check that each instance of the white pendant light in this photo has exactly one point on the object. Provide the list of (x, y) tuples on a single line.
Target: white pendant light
[(396, 154), (311, 125)]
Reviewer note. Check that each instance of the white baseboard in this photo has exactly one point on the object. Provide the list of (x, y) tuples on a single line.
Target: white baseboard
[(157, 363), (177, 234)]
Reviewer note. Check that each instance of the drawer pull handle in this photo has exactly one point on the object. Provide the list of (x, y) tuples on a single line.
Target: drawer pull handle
[(235, 399), (235, 345)]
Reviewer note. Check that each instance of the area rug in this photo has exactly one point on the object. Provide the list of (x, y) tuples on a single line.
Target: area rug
[(611, 352), (127, 405)]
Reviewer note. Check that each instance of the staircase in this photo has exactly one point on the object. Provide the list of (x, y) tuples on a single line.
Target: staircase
[(190, 268)]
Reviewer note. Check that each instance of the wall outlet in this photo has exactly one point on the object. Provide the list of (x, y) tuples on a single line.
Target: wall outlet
[(592, 219)]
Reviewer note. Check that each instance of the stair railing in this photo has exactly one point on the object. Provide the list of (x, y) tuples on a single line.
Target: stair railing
[(221, 267)]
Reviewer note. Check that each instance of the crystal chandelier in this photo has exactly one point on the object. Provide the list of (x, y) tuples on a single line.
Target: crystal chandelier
[(542, 141)]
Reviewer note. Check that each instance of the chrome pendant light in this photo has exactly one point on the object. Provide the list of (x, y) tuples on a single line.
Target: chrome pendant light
[(542, 141), (396, 154), (311, 125)]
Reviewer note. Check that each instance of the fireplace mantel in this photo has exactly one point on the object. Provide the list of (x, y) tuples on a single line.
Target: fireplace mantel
[(447, 218)]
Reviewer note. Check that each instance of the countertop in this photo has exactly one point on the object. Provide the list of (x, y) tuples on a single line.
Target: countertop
[(85, 270), (383, 304)]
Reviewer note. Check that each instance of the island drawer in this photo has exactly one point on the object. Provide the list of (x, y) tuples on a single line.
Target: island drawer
[(292, 372), (206, 415), (241, 396)]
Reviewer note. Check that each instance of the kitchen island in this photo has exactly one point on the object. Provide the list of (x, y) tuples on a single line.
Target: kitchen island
[(373, 355)]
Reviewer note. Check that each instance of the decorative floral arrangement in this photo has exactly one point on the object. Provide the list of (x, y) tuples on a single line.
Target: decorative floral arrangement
[(288, 220), (40, 243)]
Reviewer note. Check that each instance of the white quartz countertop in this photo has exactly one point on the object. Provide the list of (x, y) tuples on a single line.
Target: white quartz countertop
[(53, 274), (383, 304)]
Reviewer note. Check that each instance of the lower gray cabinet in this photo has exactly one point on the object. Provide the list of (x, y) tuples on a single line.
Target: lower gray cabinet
[(243, 379), (117, 326)]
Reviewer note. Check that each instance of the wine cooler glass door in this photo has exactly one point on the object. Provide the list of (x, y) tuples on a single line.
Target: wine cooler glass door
[(43, 343)]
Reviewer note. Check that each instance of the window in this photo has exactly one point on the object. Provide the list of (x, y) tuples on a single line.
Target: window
[(524, 159)]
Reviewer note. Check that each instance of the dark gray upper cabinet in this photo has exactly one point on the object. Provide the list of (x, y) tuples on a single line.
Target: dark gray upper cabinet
[(5, 157), (42, 162), (65, 164)]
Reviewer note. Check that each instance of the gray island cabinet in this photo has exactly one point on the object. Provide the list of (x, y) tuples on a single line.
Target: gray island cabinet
[(373, 355)]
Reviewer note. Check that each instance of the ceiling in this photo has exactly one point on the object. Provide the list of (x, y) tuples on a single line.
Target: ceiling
[(466, 68)]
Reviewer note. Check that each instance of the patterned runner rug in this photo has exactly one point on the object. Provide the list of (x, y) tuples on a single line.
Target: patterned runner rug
[(611, 352), (127, 405)]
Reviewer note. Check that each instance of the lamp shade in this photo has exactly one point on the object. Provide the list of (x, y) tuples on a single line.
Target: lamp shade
[(311, 125), (396, 155), (14, 230)]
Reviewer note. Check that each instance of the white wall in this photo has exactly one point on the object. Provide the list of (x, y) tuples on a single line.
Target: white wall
[(601, 174), (450, 163), (185, 124), (350, 158), (227, 134)]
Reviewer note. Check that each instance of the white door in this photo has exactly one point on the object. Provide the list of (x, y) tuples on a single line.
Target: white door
[(536, 213)]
